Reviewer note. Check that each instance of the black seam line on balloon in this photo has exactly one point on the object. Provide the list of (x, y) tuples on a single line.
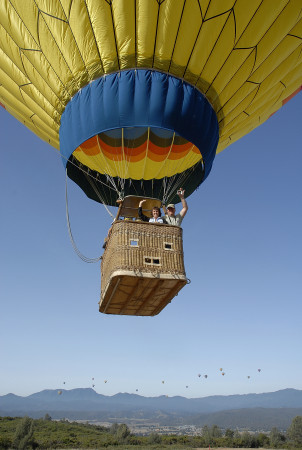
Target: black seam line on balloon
[(197, 36), (45, 81), (282, 84), (23, 50), (278, 99), (247, 25), (12, 6), (38, 21), (41, 130), (26, 75), (198, 1), (275, 47), (234, 127), (232, 9), (255, 91), (205, 15), (255, 57), (179, 24), (295, 36), (70, 6), (229, 11), (54, 17), (38, 105), (46, 59), (75, 41), (266, 56), (38, 50), (156, 30), (275, 68), (113, 26), (92, 30), (135, 36)]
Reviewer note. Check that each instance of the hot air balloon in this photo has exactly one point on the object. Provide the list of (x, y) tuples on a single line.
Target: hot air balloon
[(199, 375), (221, 369), (259, 370), (205, 376), (138, 97), (59, 392), (223, 374)]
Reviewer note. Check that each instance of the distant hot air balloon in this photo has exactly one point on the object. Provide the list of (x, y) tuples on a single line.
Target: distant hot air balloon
[(105, 381), (221, 369), (205, 376), (223, 374), (199, 375), (259, 370), (187, 387), (248, 377), (59, 392), (138, 97), (163, 382)]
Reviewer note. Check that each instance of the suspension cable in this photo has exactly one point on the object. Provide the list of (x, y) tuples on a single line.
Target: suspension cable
[(84, 258)]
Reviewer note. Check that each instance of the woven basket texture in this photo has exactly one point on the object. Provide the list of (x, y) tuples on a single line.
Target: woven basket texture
[(143, 248)]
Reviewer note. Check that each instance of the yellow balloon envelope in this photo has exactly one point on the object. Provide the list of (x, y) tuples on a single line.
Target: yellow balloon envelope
[(138, 96)]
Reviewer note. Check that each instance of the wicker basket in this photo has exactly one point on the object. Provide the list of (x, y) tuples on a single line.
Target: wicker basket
[(142, 268)]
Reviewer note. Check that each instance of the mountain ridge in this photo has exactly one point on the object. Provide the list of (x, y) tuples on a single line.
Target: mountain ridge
[(87, 399), (242, 411)]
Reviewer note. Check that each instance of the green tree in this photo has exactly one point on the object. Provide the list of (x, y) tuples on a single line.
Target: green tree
[(246, 439), (154, 438), (47, 417), (206, 434), (229, 433), (114, 428), (215, 431), (23, 434), (294, 432), (276, 438), (122, 433), (5, 442), (263, 440)]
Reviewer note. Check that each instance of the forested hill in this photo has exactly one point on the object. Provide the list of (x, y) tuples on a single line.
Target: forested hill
[(88, 399), (88, 403)]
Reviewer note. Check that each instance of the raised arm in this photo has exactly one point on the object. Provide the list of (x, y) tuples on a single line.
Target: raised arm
[(181, 195), (140, 211)]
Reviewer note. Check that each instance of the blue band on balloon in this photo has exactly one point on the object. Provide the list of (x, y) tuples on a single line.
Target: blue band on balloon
[(140, 98)]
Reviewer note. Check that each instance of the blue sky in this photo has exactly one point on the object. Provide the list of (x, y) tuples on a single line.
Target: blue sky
[(242, 311)]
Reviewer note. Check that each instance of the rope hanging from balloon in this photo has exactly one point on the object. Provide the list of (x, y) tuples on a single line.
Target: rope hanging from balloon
[(80, 255)]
